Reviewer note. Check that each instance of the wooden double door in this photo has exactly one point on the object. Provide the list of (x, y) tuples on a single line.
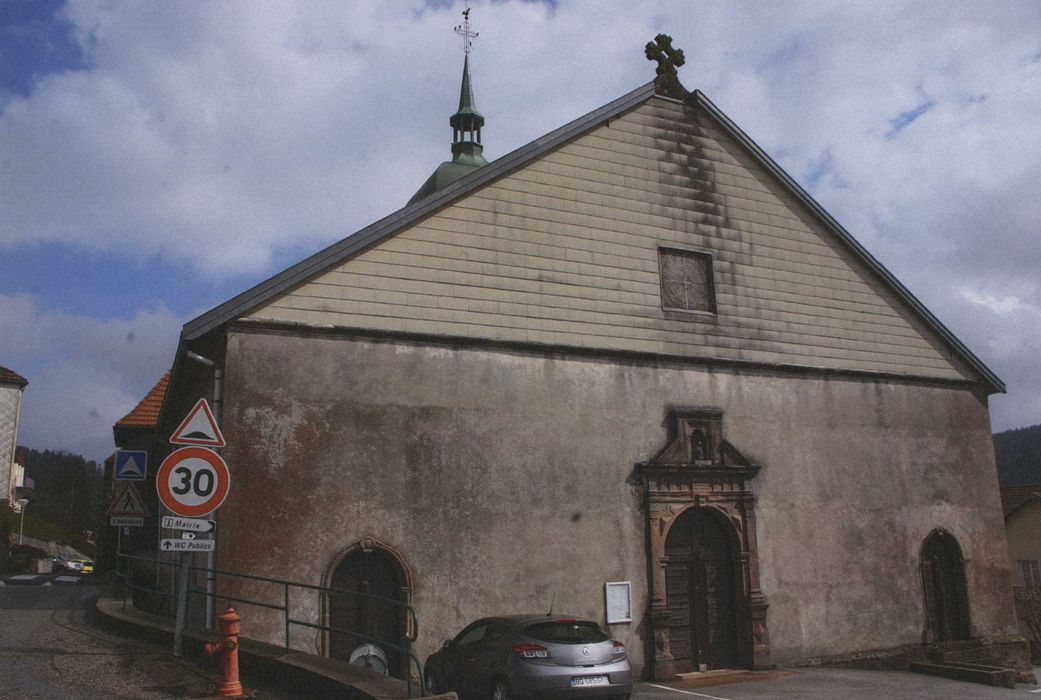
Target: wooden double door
[(701, 592)]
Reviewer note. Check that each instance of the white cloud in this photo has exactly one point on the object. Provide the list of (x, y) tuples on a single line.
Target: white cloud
[(84, 374), (228, 133)]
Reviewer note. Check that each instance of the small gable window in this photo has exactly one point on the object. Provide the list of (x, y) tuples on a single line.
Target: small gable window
[(686, 280)]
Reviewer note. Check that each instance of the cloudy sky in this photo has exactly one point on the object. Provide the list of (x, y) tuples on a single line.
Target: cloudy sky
[(158, 158)]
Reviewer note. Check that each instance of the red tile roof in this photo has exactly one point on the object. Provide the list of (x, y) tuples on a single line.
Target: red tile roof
[(8, 376), (1012, 497), (146, 413)]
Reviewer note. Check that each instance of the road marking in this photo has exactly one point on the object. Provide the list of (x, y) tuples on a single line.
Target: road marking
[(22, 577), (687, 692), (1035, 691), (66, 579), (46, 583)]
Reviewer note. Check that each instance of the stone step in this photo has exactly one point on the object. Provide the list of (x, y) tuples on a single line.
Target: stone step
[(984, 674), (971, 656), (963, 652)]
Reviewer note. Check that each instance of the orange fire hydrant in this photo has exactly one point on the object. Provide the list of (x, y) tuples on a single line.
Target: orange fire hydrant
[(229, 686)]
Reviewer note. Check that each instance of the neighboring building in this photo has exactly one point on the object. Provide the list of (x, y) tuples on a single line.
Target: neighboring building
[(137, 431), (12, 385), (634, 350), (1022, 507)]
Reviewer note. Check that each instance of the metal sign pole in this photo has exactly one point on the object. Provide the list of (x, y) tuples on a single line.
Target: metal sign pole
[(182, 603)]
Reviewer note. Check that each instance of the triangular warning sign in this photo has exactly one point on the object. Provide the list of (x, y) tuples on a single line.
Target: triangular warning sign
[(199, 428), (127, 503)]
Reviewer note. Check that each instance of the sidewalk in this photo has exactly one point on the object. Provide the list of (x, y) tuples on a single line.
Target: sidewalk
[(310, 675)]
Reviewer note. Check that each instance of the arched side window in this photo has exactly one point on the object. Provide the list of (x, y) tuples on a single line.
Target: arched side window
[(943, 585)]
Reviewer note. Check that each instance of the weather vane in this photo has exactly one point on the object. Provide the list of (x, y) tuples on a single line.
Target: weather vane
[(463, 30)]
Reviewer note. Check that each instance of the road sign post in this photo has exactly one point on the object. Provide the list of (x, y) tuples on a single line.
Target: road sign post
[(183, 545), (191, 524), (127, 507), (131, 465), (193, 481), (198, 428)]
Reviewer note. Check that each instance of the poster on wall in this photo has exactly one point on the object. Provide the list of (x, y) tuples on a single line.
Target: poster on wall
[(619, 601)]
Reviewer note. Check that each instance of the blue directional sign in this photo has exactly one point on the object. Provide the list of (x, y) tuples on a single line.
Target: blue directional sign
[(131, 465)]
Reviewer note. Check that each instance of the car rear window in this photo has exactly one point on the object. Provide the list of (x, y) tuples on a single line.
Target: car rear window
[(566, 632)]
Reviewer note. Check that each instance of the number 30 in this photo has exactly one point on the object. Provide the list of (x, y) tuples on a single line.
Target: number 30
[(189, 484)]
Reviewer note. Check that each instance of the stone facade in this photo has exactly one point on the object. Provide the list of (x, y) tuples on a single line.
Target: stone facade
[(510, 480)]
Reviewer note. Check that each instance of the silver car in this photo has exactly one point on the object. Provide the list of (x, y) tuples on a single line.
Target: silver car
[(531, 656)]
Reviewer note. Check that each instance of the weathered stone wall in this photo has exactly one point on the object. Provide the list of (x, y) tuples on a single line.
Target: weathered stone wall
[(504, 480)]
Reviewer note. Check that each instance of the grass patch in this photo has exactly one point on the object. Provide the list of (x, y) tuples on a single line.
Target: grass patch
[(43, 530)]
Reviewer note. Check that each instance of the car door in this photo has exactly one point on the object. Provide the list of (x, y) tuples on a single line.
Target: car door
[(487, 658), (460, 657)]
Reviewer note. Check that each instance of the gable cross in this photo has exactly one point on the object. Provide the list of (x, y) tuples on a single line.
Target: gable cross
[(667, 80)]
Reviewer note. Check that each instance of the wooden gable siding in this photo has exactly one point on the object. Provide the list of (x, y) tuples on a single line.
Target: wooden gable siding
[(564, 251)]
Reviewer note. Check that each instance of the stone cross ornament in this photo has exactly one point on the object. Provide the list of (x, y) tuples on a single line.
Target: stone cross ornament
[(667, 81)]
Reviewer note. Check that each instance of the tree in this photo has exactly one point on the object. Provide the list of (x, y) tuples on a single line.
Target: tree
[(67, 489)]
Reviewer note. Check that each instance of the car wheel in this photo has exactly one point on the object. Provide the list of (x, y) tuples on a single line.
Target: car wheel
[(501, 691)]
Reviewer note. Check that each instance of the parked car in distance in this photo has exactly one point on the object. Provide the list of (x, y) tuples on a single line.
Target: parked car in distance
[(58, 563), (515, 657), (72, 566)]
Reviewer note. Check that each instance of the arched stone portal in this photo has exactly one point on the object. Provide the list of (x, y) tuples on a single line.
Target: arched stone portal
[(701, 533), (371, 576), (943, 584)]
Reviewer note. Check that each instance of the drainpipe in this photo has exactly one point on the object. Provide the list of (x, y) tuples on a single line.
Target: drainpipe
[(211, 556)]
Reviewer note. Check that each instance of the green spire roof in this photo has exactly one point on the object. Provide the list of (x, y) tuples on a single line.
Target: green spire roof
[(467, 113), (467, 151)]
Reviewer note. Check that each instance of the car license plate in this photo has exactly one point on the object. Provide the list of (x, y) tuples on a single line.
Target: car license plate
[(587, 681)]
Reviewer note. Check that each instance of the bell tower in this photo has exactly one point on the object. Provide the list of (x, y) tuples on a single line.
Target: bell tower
[(467, 150)]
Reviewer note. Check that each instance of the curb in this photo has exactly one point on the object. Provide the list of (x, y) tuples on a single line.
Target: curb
[(311, 675)]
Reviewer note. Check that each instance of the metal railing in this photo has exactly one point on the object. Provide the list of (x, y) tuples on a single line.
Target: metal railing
[(124, 570)]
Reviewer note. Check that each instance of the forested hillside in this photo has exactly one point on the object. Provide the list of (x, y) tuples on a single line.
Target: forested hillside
[(1018, 453), (67, 489)]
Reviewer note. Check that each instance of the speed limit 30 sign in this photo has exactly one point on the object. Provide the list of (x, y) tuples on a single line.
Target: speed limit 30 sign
[(193, 481)]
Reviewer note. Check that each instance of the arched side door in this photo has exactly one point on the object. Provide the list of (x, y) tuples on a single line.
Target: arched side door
[(943, 584), (376, 573), (701, 592)]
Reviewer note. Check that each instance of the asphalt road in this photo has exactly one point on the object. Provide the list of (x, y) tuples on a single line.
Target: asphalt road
[(840, 684), (49, 650)]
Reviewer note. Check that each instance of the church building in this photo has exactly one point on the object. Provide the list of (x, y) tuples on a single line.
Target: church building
[(630, 371)]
